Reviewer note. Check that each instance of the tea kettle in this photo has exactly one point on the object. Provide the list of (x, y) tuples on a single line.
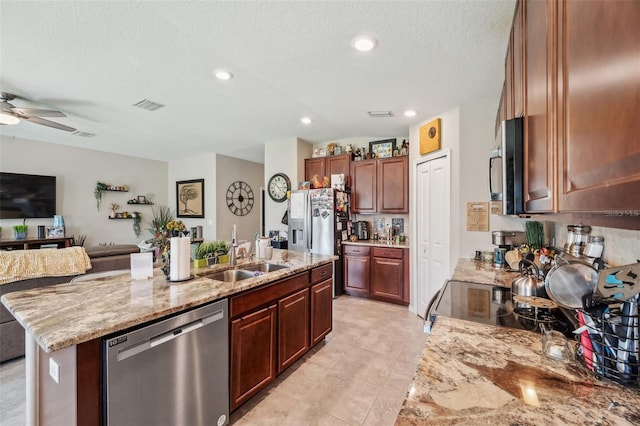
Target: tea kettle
[(529, 283)]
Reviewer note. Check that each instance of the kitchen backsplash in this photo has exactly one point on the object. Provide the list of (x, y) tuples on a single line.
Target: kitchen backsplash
[(621, 246)]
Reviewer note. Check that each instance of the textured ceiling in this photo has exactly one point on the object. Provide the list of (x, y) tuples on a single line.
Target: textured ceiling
[(94, 59)]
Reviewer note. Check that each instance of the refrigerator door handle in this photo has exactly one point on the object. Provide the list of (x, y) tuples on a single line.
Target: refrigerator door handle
[(308, 224)]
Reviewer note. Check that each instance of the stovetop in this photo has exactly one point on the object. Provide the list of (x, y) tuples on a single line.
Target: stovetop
[(493, 305)]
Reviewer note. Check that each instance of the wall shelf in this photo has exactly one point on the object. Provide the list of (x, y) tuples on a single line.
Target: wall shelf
[(146, 203), (118, 218)]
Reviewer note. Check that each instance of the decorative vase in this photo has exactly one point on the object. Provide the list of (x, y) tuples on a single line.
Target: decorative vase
[(20, 235), (200, 263)]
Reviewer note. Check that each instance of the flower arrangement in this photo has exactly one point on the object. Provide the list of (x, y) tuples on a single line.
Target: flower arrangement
[(175, 225)]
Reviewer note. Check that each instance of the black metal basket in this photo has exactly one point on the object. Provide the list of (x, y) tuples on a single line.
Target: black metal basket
[(609, 345)]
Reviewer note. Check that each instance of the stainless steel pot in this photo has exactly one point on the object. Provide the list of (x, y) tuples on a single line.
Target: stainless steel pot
[(528, 284)]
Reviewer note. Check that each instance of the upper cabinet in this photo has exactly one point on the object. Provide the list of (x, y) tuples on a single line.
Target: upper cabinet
[(572, 66), (598, 105), (327, 166), (539, 82), (380, 186)]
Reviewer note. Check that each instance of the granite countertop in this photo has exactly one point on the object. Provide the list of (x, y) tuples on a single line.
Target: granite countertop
[(472, 373), (483, 273), (376, 243), (479, 374), (68, 314)]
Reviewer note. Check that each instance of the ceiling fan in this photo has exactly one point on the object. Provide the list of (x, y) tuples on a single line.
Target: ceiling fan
[(9, 114)]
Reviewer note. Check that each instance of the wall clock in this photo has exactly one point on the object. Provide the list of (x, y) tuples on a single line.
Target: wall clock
[(278, 186), (240, 198), (430, 137)]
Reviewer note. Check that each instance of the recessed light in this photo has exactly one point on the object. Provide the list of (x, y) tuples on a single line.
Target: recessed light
[(223, 75), (364, 43), (305, 120), (410, 113)]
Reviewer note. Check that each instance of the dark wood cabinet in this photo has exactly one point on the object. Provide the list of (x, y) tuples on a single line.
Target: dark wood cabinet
[(393, 185), (518, 61), (327, 166), (293, 328), (598, 103), (540, 81), (253, 354), (321, 310), (380, 186), (356, 270), (387, 274), (364, 186)]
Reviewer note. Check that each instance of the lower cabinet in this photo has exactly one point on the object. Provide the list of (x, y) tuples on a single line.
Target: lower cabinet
[(274, 325), (380, 273), (253, 351), (293, 328)]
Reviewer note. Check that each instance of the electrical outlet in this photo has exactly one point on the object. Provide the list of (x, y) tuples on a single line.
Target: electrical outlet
[(54, 370)]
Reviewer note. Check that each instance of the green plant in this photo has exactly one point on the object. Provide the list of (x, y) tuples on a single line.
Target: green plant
[(161, 216), (218, 247), (534, 232), (98, 191), (137, 219), (21, 228)]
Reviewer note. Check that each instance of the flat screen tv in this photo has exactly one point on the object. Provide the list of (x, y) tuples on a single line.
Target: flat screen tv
[(27, 196)]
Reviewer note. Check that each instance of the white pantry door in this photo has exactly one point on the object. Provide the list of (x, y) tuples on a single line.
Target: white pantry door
[(433, 204)]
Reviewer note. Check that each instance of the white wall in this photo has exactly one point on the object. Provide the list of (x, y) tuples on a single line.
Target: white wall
[(201, 166), (283, 157), (77, 171), (229, 170)]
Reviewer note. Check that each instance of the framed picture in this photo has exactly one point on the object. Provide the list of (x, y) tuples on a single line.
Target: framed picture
[(382, 149), (142, 199), (337, 150), (190, 198)]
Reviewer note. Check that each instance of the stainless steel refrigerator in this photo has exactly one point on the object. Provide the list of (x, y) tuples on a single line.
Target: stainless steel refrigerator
[(318, 220)]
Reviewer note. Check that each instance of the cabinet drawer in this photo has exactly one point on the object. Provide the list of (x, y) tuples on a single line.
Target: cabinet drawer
[(264, 295), (356, 250), (321, 273), (393, 253)]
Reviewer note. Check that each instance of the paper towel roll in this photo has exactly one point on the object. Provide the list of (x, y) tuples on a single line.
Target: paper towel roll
[(180, 255)]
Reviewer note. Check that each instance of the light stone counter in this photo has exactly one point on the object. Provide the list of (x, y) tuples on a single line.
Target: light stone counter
[(376, 243), (473, 373), (63, 315)]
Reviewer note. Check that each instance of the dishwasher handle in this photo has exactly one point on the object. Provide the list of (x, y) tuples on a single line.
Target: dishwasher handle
[(167, 336)]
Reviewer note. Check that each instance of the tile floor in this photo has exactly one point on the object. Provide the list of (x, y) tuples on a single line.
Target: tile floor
[(359, 375)]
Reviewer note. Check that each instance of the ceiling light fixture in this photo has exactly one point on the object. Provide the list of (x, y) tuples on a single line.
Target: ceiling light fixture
[(410, 113), (223, 75), (305, 120), (364, 43), (8, 118)]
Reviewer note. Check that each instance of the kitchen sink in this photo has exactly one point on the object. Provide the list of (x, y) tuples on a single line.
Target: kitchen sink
[(231, 275), (264, 267)]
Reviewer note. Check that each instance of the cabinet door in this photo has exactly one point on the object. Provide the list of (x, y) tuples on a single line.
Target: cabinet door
[(293, 328), (337, 164), (387, 278), (364, 197), (314, 166), (321, 310), (393, 184), (356, 275), (598, 103), (253, 352), (539, 74), (508, 77), (518, 59)]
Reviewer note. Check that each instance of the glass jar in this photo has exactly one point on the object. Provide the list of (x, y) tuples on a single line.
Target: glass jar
[(594, 247)]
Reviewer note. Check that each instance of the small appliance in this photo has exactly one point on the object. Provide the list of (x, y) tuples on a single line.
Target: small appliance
[(506, 167), (362, 230)]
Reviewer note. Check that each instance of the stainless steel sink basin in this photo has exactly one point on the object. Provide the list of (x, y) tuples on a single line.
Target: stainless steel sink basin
[(264, 267), (231, 275)]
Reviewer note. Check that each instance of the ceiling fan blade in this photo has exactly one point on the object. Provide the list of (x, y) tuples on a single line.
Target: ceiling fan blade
[(33, 112), (48, 123)]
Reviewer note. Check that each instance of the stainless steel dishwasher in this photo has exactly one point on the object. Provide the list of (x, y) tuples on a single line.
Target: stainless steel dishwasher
[(172, 372)]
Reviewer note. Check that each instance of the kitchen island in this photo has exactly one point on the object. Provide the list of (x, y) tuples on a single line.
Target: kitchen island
[(472, 373), (68, 322)]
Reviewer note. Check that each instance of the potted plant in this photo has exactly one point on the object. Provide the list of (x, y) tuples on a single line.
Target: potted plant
[(175, 227), (114, 207), (98, 191), (161, 216), (20, 231), (137, 218), (0, 231), (209, 249)]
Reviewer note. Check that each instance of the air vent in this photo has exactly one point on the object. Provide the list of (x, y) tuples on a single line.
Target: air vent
[(148, 105), (380, 114), (83, 134)]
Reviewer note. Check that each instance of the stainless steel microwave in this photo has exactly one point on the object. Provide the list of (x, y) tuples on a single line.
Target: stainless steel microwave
[(506, 167)]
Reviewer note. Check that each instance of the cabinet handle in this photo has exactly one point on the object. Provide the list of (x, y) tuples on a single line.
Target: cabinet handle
[(323, 273), (387, 253)]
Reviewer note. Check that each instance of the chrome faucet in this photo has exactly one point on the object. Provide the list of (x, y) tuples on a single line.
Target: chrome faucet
[(234, 247)]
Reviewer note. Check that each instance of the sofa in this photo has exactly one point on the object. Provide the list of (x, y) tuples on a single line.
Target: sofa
[(103, 258)]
